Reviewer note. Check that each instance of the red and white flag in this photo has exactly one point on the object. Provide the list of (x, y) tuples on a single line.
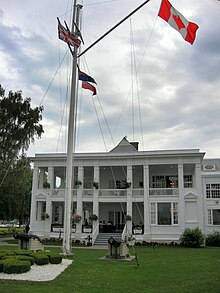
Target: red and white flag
[(178, 21), (88, 86), (67, 36)]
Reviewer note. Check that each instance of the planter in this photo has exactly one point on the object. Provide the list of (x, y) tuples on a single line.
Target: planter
[(93, 217)]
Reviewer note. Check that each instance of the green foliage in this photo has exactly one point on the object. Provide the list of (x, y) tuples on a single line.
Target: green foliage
[(213, 239), (20, 257), (19, 124), (15, 191), (23, 252), (15, 266), (54, 258), (4, 253), (192, 238), (93, 217), (41, 258)]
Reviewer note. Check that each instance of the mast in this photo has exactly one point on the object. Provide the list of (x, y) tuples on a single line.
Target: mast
[(71, 142)]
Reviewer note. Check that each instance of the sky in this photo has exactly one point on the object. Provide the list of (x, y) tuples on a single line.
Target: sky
[(153, 87)]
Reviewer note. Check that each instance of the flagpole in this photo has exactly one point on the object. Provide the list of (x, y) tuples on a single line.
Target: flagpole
[(114, 27), (70, 144)]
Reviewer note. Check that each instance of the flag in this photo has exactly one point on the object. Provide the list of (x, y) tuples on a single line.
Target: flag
[(88, 86), (178, 21), (85, 77), (66, 36)]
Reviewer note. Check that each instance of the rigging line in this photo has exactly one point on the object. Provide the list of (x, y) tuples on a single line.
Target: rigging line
[(132, 88), (96, 3), (53, 78), (140, 63), (106, 121), (114, 27), (98, 99), (99, 123), (137, 86)]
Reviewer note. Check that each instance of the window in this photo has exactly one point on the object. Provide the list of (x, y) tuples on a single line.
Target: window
[(188, 181), (213, 190), (169, 181), (40, 210), (153, 213), (164, 213), (213, 217)]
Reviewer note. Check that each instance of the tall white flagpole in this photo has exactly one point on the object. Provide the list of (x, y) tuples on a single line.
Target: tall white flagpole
[(70, 144)]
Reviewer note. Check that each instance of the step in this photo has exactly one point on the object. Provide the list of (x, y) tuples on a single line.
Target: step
[(102, 239)]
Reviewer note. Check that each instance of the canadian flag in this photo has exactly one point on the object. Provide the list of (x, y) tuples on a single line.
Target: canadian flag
[(178, 21)]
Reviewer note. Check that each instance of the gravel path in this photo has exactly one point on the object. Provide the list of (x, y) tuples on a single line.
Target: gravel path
[(39, 273)]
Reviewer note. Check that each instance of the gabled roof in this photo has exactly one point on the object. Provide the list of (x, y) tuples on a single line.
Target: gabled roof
[(124, 146)]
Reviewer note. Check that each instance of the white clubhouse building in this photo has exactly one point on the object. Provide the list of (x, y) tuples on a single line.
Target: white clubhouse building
[(163, 191)]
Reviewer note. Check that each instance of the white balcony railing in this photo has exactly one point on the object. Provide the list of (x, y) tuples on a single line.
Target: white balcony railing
[(112, 192), (163, 191), (61, 192), (139, 192)]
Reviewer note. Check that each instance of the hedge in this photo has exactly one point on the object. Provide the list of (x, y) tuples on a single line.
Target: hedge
[(41, 258), (54, 258), (15, 266)]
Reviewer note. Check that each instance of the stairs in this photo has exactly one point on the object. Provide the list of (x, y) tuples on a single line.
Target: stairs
[(102, 238)]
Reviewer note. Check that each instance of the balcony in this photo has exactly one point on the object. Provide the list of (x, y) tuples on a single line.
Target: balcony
[(113, 192), (163, 191)]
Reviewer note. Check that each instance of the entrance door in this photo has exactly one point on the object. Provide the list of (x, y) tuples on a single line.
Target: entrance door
[(116, 219)]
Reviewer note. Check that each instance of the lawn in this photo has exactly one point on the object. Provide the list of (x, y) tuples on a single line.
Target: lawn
[(160, 270)]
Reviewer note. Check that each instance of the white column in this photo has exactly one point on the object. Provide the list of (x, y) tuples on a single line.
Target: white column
[(147, 228), (79, 200), (33, 200), (129, 198), (96, 198), (200, 198), (181, 207)]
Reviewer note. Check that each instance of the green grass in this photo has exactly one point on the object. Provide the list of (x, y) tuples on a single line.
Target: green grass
[(160, 270)]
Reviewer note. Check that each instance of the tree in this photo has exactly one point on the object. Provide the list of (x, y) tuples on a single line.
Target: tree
[(19, 125), (15, 192)]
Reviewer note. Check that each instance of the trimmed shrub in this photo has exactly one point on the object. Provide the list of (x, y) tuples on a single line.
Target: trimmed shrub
[(4, 253), (192, 238), (1, 266), (13, 266), (54, 258), (40, 258), (23, 252), (20, 257), (213, 239)]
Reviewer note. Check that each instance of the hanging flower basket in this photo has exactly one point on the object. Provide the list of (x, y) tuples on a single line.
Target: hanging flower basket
[(77, 183), (44, 216), (93, 217), (76, 218), (96, 185), (127, 184), (46, 185), (127, 218)]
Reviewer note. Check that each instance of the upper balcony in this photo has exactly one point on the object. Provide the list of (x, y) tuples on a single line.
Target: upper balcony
[(114, 183)]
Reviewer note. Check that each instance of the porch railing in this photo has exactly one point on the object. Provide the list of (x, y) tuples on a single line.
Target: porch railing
[(112, 192), (61, 192), (138, 192), (163, 191)]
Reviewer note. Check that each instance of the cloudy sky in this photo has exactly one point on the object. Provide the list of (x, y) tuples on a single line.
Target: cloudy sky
[(152, 85)]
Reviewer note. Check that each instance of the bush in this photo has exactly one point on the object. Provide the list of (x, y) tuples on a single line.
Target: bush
[(4, 253), (192, 238), (54, 258), (41, 258), (23, 252), (213, 239), (20, 257), (13, 266)]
